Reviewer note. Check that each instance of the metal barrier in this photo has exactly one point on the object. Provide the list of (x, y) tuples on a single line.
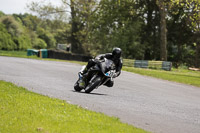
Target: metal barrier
[(141, 63), (165, 65)]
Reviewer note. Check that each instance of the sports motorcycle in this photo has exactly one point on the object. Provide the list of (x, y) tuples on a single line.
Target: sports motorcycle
[(103, 71)]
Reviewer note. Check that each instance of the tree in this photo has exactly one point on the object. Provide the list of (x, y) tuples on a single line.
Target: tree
[(47, 37), (79, 11), (163, 30), (1, 14), (23, 42), (192, 12), (153, 14), (6, 42), (17, 32), (39, 44), (148, 11), (115, 24), (180, 46), (29, 21), (12, 26)]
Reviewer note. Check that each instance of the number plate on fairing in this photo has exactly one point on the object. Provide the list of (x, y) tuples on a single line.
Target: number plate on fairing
[(110, 73)]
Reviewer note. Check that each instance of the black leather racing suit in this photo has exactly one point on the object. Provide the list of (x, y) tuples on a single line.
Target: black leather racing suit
[(118, 64)]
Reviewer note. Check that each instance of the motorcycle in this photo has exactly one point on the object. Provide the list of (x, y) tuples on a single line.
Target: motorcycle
[(103, 71)]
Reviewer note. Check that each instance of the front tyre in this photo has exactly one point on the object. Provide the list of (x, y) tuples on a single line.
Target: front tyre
[(93, 85), (76, 87)]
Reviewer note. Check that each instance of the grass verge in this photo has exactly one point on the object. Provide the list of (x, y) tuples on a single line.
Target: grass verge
[(24, 111), (22, 54), (177, 75)]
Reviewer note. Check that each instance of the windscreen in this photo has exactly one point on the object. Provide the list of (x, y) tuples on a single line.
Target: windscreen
[(107, 65)]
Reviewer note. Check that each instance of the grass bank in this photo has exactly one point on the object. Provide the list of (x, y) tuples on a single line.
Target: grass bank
[(177, 75), (24, 111), (22, 54)]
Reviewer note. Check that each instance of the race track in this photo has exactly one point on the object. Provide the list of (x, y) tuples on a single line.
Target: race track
[(154, 105)]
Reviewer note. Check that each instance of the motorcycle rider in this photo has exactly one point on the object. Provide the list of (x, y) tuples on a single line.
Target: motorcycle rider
[(114, 56)]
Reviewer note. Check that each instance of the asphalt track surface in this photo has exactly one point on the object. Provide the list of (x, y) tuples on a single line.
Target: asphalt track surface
[(154, 105)]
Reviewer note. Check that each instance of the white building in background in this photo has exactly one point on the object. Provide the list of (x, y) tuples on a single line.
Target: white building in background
[(66, 47)]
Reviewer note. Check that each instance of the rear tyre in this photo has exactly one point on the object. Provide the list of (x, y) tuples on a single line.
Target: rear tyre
[(93, 85), (76, 87)]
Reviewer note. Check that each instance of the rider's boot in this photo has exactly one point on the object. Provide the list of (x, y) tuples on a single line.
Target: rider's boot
[(81, 81), (82, 76)]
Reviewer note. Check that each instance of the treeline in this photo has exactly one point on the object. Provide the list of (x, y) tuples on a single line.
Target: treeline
[(144, 29), (23, 31)]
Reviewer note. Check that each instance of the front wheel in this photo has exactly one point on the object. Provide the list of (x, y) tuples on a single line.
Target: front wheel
[(93, 85)]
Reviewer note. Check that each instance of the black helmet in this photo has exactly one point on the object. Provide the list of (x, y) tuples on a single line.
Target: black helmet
[(116, 52)]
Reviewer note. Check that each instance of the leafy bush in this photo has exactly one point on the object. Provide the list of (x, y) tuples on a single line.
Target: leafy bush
[(6, 42), (12, 26), (1, 14), (39, 44), (24, 42), (47, 37)]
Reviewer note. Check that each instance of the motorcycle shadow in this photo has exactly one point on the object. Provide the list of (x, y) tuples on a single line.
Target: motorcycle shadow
[(91, 93)]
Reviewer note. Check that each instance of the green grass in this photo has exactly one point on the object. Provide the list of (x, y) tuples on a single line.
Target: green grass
[(22, 54), (177, 75), (24, 111)]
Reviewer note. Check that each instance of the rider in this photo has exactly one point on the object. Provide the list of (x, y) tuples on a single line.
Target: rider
[(114, 56)]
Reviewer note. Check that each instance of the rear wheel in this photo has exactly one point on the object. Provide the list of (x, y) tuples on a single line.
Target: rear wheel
[(93, 85), (76, 87)]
